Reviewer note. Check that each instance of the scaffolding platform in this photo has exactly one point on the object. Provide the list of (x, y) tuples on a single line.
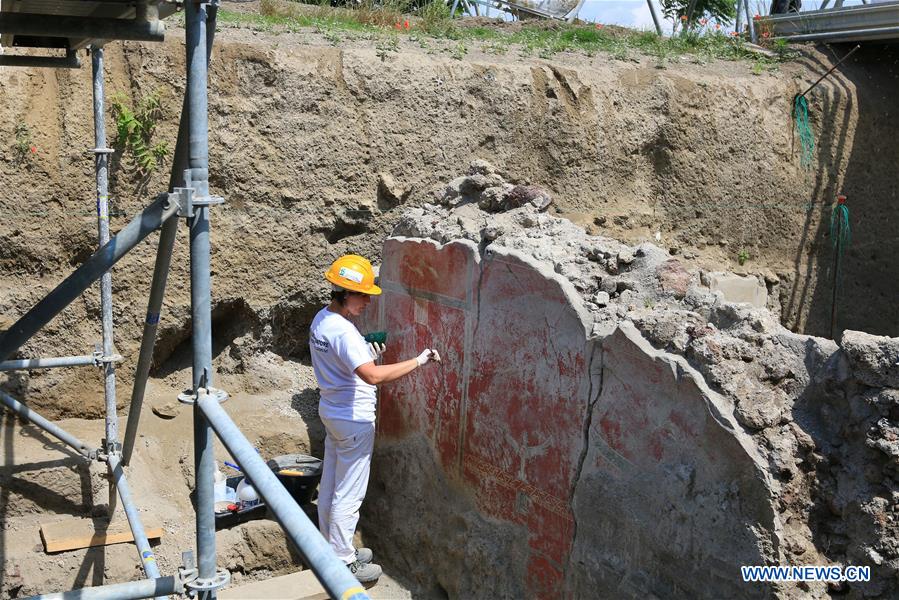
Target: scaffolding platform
[(72, 25)]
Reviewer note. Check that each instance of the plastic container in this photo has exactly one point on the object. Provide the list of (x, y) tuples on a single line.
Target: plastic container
[(379, 337), (230, 513), (220, 491), (246, 494), (299, 474)]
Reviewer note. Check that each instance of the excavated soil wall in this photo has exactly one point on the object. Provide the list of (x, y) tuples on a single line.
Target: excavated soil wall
[(317, 150)]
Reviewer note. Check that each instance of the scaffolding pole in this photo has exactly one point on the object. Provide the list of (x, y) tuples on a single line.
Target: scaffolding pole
[(101, 165), (65, 26), (132, 590), (51, 428), (197, 178), (180, 162), (750, 23), (318, 554), (69, 61), (145, 553), (148, 340), (48, 363), (655, 17)]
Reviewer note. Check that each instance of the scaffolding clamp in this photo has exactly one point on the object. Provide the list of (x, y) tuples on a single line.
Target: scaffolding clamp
[(102, 150), (191, 397), (100, 359), (108, 449), (187, 202), (189, 576), (201, 587)]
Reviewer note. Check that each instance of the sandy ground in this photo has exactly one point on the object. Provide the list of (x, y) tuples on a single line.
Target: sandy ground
[(43, 481)]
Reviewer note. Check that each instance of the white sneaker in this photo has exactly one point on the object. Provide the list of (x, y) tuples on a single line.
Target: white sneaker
[(365, 573)]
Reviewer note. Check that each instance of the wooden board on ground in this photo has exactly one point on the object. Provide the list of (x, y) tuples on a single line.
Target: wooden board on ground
[(303, 585), (83, 533)]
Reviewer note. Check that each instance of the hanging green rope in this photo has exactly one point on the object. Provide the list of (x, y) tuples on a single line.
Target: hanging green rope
[(800, 115), (806, 135), (840, 233), (841, 237)]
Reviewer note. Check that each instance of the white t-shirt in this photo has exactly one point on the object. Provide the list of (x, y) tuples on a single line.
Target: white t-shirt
[(337, 348)]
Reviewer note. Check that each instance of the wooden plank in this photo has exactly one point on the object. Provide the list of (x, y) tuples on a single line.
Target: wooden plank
[(301, 585), (83, 533)]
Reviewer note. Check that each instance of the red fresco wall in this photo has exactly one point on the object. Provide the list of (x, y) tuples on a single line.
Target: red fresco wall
[(505, 409)]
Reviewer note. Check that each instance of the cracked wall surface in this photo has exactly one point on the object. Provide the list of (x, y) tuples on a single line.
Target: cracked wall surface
[(507, 417), (674, 497)]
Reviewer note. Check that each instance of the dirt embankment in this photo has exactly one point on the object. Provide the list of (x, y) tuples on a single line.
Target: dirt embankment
[(316, 147)]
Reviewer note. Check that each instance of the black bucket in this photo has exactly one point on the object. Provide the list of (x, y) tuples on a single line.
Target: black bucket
[(299, 473)]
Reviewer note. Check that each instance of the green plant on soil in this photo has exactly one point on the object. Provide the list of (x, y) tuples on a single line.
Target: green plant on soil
[(417, 38), (388, 45), (459, 51), (431, 20), (330, 33), (134, 130), (23, 147), (496, 47), (661, 53), (742, 256)]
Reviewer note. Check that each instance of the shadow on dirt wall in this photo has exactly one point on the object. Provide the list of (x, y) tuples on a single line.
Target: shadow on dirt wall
[(830, 119), (869, 269)]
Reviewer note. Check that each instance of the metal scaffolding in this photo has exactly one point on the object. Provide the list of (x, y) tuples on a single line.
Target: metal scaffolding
[(188, 196), (868, 21)]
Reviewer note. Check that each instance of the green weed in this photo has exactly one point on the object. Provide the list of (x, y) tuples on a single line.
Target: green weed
[(371, 18), (459, 51), (388, 45), (23, 147), (134, 130), (330, 33), (496, 47)]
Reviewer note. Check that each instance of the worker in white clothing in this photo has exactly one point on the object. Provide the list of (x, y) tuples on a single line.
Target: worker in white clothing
[(345, 368)]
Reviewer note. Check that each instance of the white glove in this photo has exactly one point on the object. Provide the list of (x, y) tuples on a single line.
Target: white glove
[(428, 355), (376, 349)]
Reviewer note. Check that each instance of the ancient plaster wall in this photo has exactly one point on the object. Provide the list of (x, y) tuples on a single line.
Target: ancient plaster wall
[(605, 463), (673, 497)]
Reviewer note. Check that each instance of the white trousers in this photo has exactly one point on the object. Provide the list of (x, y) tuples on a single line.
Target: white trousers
[(348, 448)]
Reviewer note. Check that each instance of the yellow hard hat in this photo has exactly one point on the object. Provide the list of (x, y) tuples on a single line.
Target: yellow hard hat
[(353, 272)]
